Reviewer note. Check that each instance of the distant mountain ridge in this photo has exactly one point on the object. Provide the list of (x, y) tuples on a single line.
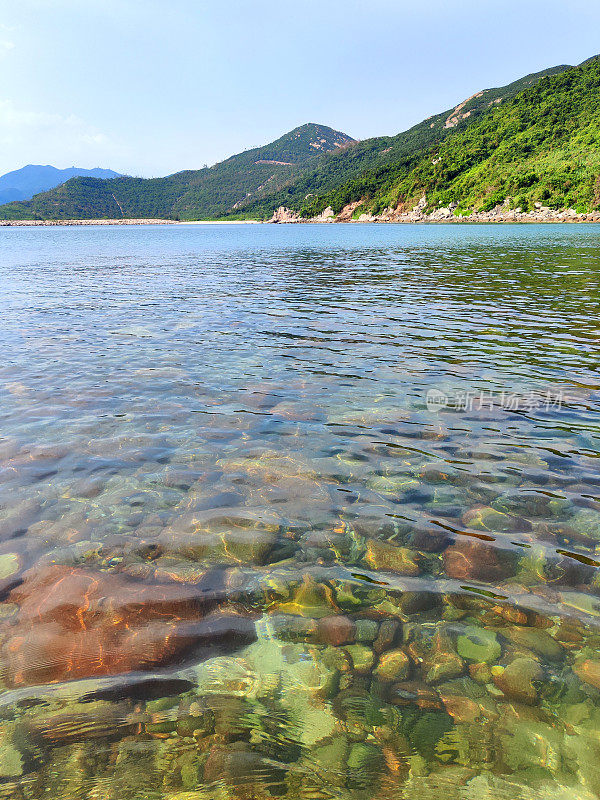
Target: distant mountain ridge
[(195, 194), (534, 141), (23, 184)]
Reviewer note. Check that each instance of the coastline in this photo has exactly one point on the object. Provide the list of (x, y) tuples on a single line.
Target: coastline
[(65, 223), (224, 222), (445, 216), (473, 220), (53, 223), (289, 218)]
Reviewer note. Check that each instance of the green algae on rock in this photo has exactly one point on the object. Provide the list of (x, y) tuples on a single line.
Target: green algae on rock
[(479, 645)]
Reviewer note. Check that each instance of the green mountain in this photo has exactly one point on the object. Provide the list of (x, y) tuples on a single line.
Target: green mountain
[(535, 140), (356, 172), (541, 145), (198, 194)]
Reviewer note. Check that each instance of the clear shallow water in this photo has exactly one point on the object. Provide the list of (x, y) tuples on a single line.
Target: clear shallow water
[(241, 554)]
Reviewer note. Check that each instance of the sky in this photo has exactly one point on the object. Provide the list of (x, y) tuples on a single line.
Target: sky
[(150, 87)]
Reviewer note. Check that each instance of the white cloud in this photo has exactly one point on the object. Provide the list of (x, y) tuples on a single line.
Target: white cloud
[(14, 120), (5, 47), (28, 137), (6, 43)]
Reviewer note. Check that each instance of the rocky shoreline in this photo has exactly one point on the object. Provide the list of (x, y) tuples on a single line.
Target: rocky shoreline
[(283, 215), (500, 214)]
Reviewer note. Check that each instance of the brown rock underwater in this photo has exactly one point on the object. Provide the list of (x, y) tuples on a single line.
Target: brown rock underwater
[(76, 623)]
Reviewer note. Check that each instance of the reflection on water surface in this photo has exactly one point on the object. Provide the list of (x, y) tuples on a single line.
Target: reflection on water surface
[(241, 556)]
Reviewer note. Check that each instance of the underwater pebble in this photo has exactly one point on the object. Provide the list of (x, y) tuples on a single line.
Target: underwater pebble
[(10, 564), (588, 671), (461, 709), (585, 524), (473, 559), (393, 666), (389, 631), (488, 519), (336, 630), (480, 673), (442, 666), (366, 630), (388, 557), (517, 680), (362, 657), (479, 645), (536, 640)]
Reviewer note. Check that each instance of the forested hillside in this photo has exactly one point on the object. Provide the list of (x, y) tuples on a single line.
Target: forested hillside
[(541, 146), (194, 194), (351, 174)]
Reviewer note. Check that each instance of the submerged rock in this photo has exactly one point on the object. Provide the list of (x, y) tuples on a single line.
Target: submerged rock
[(536, 640), (529, 744), (461, 709), (480, 673), (329, 760), (311, 599), (366, 630), (238, 763), (486, 518), (518, 680), (479, 645), (83, 722), (389, 557), (414, 694), (362, 657), (223, 536), (11, 759), (10, 564), (443, 666), (75, 623), (434, 652), (588, 671), (364, 761), (336, 630), (389, 632), (585, 525), (393, 666), (474, 559), (531, 503)]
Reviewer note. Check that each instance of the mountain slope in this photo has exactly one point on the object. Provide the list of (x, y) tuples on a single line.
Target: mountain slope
[(23, 184), (541, 146), (351, 173), (198, 194)]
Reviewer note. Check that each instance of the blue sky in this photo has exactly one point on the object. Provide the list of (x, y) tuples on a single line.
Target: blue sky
[(149, 87)]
